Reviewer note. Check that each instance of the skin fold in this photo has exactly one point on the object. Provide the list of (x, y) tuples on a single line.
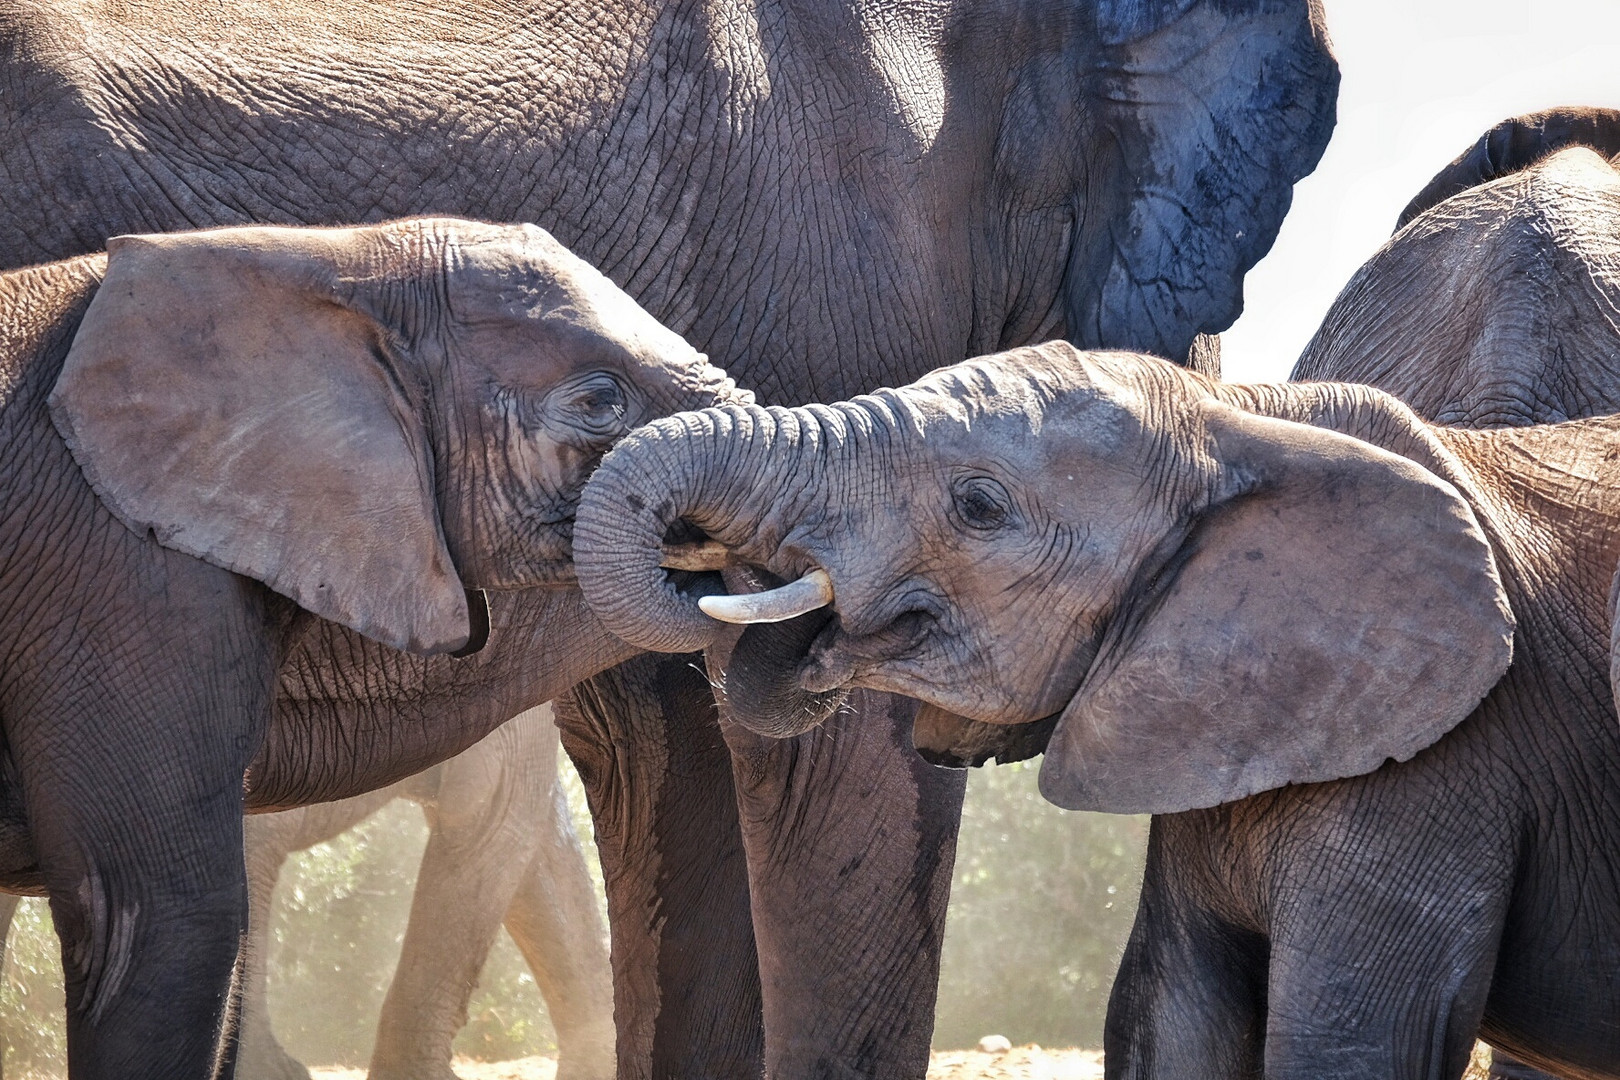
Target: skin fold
[(1365, 856), (141, 650), (823, 199)]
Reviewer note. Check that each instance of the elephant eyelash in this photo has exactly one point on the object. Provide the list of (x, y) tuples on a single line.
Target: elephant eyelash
[(981, 504)]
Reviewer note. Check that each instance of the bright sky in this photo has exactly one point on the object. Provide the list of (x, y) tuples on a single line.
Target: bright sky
[(1422, 80)]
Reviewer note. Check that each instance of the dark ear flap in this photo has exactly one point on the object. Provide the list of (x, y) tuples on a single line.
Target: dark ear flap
[(224, 392), (955, 742), (1339, 606), (1211, 110), (1513, 146)]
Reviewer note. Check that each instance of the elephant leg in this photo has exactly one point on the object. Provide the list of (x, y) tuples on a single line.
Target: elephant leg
[(269, 839), (553, 918), (1382, 959), (1190, 995), (658, 778), (851, 838), (481, 839), (141, 846)]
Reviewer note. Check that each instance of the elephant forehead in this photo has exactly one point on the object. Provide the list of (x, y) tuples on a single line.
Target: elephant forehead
[(1054, 399)]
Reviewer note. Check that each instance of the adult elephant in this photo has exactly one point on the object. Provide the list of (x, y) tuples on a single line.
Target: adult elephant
[(822, 197), (1357, 664), (222, 443), (501, 849)]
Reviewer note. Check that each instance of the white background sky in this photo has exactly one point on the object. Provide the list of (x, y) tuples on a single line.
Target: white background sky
[(1422, 79)]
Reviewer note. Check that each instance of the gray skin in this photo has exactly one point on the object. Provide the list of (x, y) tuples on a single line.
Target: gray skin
[(823, 198), (1495, 308), (501, 849), (1356, 663), (229, 448)]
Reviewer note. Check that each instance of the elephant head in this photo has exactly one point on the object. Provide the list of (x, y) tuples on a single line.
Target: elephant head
[(1211, 597), (370, 421), (1514, 145)]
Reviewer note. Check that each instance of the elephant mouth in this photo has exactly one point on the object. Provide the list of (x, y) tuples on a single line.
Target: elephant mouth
[(782, 678)]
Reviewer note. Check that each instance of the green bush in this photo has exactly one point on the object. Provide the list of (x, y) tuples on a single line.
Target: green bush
[(1040, 909), (32, 1024)]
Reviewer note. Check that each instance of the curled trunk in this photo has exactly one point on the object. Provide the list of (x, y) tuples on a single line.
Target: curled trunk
[(720, 487)]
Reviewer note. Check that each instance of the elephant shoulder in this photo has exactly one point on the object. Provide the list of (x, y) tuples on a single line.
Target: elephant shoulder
[(40, 310)]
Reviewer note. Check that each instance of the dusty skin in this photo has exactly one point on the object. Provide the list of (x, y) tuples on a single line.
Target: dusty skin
[(1019, 1063)]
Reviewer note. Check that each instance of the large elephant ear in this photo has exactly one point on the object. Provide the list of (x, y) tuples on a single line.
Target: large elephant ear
[(1338, 608), (227, 392), (1513, 146), (1211, 111)]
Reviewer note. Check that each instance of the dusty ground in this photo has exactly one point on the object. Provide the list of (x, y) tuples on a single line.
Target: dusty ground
[(1019, 1063)]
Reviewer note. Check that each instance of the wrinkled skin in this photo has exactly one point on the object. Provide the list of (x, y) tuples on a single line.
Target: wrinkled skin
[(312, 408), (501, 848), (1362, 858), (823, 198), (1495, 309)]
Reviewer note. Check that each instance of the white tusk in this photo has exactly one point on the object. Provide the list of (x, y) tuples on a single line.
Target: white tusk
[(703, 555), (810, 592)]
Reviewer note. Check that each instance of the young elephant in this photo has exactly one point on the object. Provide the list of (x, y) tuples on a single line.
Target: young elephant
[(1357, 663), (210, 438)]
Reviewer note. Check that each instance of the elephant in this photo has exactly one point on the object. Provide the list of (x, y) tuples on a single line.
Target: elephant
[(1494, 310), (821, 197), (219, 443), (1356, 665), (501, 847)]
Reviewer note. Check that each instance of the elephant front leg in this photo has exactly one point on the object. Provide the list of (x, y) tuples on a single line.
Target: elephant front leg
[(1190, 995), (851, 839), (658, 779), (143, 860)]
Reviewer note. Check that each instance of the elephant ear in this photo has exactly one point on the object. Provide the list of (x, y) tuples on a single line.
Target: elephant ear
[(1337, 608), (1513, 146), (227, 392), (1211, 111)]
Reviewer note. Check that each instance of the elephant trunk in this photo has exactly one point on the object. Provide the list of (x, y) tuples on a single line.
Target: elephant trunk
[(724, 472)]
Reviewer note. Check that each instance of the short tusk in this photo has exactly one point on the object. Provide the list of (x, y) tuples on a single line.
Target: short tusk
[(703, 555), (810, 592)]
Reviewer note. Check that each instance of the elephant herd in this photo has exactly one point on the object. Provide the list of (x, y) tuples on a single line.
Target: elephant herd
[(352, 403)]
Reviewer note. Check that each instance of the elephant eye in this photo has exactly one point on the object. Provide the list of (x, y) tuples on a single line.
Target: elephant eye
[(981, 503), (594, 405)]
